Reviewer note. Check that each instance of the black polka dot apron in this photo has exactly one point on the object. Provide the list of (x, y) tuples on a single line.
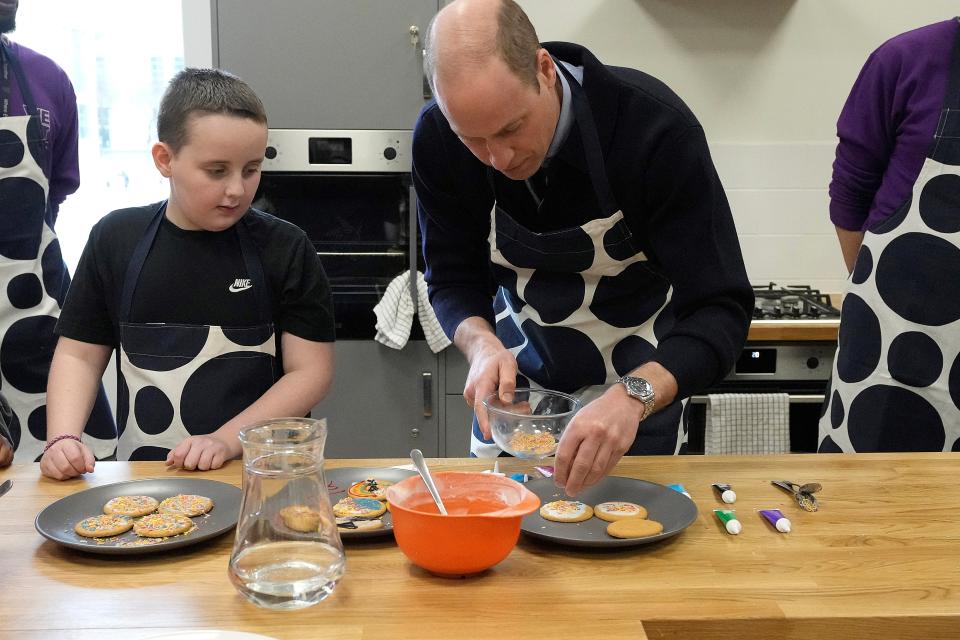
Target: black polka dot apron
[(896, 375), (176, 380), (579, 307), (34, 277)]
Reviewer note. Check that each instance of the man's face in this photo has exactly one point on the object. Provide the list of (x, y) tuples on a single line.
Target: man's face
[(214, 176), (506, 123), (8, 15)]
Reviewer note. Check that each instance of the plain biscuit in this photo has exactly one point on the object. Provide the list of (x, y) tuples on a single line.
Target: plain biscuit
[(634, 528)]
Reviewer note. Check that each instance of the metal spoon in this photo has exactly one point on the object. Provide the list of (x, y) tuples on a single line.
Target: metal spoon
[(417, 456)]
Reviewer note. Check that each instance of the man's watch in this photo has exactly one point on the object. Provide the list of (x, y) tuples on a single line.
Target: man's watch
[(642, 390)]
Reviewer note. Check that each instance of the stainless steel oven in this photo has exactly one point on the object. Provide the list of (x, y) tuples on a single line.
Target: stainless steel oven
[(800, 369), (352, 194)]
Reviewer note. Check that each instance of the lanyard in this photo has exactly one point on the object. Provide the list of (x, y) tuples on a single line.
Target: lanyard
[(9, 62)]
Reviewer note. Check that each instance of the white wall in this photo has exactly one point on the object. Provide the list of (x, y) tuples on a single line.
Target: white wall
[(767, 78)]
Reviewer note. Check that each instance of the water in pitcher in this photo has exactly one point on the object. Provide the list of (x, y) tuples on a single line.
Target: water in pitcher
[(287, 575)]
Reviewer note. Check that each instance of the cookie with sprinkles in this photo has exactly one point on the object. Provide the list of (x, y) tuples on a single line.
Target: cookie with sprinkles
[(566, 511), (300, 518), (618, 510), (103, 526), (370, 488), (134, 506), (359, 508), (186, 504), (162, 525)]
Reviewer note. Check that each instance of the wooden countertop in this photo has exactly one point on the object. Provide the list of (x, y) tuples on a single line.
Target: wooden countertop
[(794, 331), (880, 559)]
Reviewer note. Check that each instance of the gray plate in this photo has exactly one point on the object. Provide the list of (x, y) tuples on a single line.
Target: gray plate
[(672, 509), (57, 520), (339, 480)]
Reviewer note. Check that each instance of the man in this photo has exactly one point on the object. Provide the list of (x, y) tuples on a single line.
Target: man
[(893, 200), (584, 195), (38, 170)]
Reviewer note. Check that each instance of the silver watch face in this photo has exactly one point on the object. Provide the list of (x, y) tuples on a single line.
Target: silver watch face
[(638, 388)]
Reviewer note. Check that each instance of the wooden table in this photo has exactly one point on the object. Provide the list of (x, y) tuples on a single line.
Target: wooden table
[(881, 559)]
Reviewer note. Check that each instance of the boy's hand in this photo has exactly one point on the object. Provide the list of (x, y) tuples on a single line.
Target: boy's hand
[(202, 453), (6, 452), (67, 459)]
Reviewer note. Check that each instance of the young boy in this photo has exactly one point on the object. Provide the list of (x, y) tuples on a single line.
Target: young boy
[(195, 294)]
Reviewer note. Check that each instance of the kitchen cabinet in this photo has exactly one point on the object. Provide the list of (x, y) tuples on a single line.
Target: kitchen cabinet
[(383, 402), (457, 416), (327, 64)]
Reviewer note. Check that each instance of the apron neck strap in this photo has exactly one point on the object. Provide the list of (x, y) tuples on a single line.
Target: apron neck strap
[(9, 62)]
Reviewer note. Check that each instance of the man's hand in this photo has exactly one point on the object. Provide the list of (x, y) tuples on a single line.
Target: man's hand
[(596, 439), (67, 459), (6, 452), (492, 369), (202, 453)]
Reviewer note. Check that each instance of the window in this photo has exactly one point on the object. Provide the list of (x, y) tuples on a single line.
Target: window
[(119, 56)]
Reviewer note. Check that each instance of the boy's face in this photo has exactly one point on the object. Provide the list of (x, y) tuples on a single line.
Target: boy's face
[(215, 174)]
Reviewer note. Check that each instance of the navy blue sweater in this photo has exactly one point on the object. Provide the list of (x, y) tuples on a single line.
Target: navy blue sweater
[(664, 181)]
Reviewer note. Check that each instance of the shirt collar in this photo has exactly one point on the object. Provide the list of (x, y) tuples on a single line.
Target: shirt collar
[(565, 121)]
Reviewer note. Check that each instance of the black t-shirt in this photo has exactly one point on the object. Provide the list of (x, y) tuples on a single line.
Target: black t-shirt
[(197, 278)]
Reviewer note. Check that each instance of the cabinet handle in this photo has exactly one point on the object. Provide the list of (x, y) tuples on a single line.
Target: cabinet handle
[(414, 433), (427, 394)]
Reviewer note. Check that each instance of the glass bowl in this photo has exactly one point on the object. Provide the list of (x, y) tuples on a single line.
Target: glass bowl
[(530, 426)]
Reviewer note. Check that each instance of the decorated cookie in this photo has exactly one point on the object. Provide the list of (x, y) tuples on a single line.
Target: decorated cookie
[(300, 518), (370, 488), (359, 508), (359, 524), (103, 526), (186, 504), (566, 511), (134, 506), (617, 510), (162, 525), (634, 528)]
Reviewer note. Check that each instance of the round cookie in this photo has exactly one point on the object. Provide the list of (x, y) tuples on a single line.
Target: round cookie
[(162, 525), (358, 524), (300, 518), (634, 528), (566, 511), (186, 504), (359, 508), (134, 506), (103, 526), (369, 488), (618, 510)]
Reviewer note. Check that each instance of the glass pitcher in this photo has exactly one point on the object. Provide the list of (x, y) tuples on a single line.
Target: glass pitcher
[(287, 553)]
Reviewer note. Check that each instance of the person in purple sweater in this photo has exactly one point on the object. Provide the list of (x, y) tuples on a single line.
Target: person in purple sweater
[(38, 170), (895, 201)]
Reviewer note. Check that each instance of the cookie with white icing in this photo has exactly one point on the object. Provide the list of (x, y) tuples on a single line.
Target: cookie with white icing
[(566, 511)]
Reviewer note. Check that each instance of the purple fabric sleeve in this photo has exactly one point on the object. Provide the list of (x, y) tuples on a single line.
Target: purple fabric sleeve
[(887, 125), (55, 97)]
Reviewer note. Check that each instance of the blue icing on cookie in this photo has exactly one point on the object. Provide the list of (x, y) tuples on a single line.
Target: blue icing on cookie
[(367, 503)]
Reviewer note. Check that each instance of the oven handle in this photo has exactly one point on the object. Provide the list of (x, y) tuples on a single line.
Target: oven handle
[(794, 399), (361, 253)]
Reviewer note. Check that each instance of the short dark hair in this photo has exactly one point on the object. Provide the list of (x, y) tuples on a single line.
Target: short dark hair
[(516, 43), (204, 91)]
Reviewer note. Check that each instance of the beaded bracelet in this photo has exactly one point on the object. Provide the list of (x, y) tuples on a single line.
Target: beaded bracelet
[(66, 436)]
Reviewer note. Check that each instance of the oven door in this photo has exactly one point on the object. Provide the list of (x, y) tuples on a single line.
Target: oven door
[(363, 226), (806, 403)]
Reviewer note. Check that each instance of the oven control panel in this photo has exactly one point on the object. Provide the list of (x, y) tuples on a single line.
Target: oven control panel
[(789, 362), (338, 151)]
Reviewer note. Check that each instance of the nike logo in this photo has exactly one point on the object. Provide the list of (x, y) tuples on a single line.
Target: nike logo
[(240, 284)]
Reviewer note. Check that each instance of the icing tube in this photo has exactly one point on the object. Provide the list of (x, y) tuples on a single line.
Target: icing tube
[(777, 519), (729, 519), (679, 488), (725, 492)]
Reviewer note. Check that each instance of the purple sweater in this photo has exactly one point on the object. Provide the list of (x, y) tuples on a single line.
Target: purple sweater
[(54, 95), (887, 125)]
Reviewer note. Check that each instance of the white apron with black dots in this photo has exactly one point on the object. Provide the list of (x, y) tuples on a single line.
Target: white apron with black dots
[(177, 381), (580, 307), (896, 375), (34, 279)]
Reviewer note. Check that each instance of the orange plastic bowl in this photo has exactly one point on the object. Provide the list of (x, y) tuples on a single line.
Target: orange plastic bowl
[(481, 528)]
